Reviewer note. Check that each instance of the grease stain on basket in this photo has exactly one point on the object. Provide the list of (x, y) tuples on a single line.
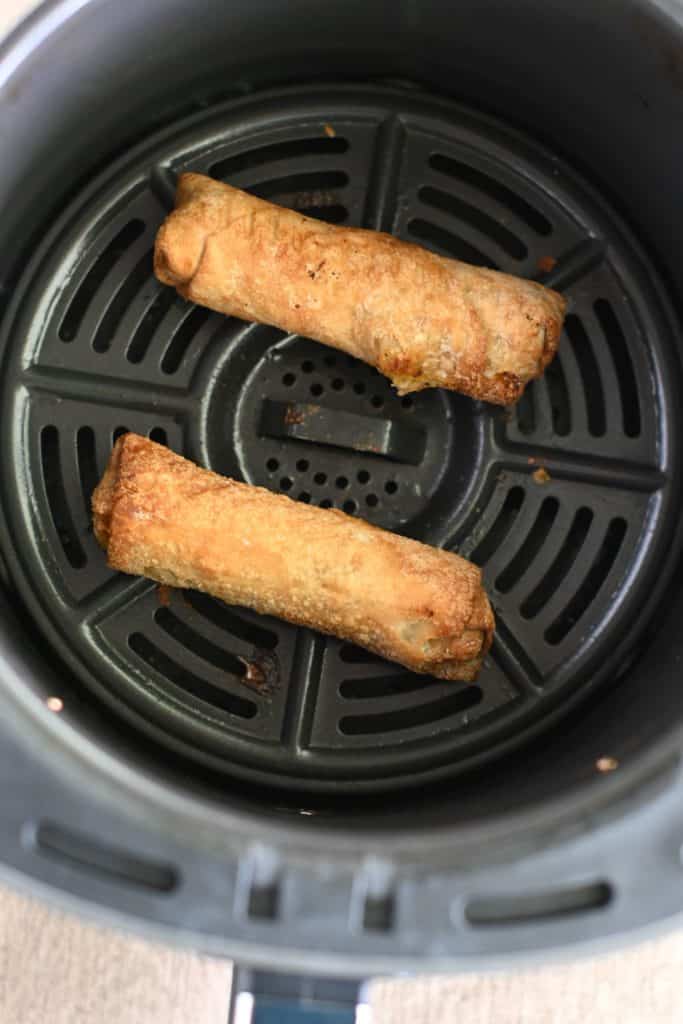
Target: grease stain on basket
[(296, 414)]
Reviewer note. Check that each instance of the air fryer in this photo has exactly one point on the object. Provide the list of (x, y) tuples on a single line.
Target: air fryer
[(347, 818)]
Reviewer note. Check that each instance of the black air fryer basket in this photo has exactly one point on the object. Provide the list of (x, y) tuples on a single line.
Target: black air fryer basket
[(347, 817)]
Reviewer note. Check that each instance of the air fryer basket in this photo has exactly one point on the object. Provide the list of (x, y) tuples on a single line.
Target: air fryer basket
[(343, 809)]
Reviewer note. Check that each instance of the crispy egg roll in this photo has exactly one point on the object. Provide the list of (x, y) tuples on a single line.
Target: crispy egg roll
[(423, 320), (158, 515)]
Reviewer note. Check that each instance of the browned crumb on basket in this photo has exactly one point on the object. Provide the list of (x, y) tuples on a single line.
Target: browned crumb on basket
[(261, 673), (164, 595), (329, 131), (546, 264), (606, 764), (541, 475)]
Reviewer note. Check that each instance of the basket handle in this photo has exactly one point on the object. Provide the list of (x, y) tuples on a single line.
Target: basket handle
[(265, 997)]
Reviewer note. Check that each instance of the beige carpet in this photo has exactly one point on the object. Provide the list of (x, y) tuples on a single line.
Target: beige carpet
[(57, 970)]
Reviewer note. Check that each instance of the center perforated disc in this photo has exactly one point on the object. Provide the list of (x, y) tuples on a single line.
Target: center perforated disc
[(565, 501)]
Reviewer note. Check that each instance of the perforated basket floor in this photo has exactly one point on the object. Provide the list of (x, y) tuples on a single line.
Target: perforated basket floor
[(566, 501)]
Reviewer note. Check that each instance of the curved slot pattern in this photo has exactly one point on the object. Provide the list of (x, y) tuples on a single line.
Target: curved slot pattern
[(183, 337), (525, 410), (522, 908), (532, 544), (352, 655), (292, 149), (105, 262), (186, 680), (311, 188), (591, 383), (562, 563), (144, 332), (409, 718), (490, 187), (558, 394), (106, 329), (60, 511), (501, 527), (332, 214), (382, 686), (225, 618), (87, 464), (225, 661), (593, 581), (628, 386), (477, 219), (109, 862), (447, 242)]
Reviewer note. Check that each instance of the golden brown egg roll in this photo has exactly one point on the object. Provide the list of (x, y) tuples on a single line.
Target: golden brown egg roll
[(158, 515), (423, 320)]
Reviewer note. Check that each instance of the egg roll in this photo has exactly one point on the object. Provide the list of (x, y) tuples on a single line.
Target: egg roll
[(158, 515), (421, 319)]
